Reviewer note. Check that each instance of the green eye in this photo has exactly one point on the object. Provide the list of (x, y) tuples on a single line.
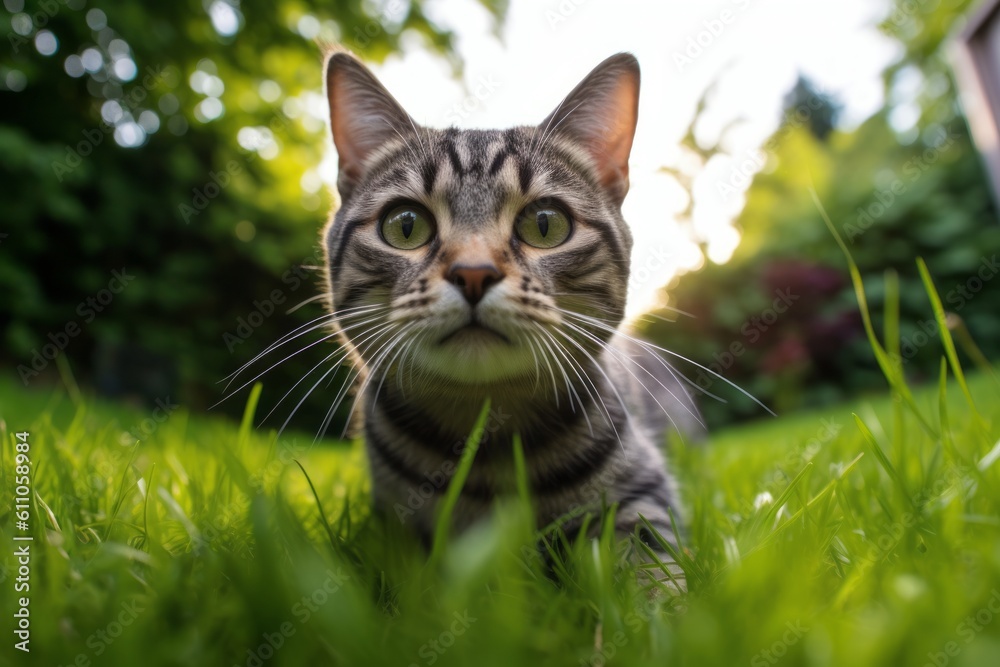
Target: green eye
[(543, 226), (406, 227)]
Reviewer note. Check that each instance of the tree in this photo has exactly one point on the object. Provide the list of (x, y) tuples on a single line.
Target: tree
[(177, 142), (780, 318)]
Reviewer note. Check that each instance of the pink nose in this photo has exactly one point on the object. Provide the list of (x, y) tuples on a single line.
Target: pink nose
[(474, 280)]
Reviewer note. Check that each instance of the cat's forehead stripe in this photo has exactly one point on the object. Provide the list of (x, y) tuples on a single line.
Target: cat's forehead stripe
[(428, 173), (473, 179), (525, 174), (454, 158)]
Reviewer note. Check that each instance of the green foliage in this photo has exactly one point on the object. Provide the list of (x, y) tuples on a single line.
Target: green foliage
[(895, 194), (210, 214), (869, 529)]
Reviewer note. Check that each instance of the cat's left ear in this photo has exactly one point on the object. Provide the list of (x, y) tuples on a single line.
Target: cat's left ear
[(364, 116), (600, 114)]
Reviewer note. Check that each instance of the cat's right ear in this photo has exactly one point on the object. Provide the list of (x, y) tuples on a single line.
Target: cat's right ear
[(364, 116), (600, 115)]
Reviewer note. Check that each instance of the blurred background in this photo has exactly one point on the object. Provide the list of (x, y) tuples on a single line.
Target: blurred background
[(165, 169)]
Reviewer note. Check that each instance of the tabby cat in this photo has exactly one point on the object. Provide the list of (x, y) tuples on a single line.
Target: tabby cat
[(467, 265)]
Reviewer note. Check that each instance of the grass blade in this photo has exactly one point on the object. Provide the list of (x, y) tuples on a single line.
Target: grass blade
[(322, 513), (248, 414), (946, 340), (883, 459), (895, 379), (521, 472), (457, 482)]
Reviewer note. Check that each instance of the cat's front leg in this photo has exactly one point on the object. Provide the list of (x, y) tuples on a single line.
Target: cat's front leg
[(653, 552)]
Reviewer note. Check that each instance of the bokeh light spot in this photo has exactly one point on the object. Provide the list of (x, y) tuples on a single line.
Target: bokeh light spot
[(15, 80), (269, 90), (125, 69), (74, 66), (130, 135), (225, 18), (209, 109), (46, 43), (112, 112), (177, 125), (169, 104), (308, 26), (245, 231), (92, 59), (149, 121), (21, 24), (96, 19)]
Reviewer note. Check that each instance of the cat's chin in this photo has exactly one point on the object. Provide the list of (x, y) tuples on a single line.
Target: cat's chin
[(474, 335), (476, 355)]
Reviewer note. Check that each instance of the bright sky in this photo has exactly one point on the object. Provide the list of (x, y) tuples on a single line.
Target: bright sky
[(755, 48)]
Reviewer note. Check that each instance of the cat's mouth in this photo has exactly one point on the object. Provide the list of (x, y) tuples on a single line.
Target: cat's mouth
[(475, 330)]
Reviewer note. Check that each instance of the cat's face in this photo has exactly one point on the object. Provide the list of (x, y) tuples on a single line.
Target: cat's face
[(463, 254)]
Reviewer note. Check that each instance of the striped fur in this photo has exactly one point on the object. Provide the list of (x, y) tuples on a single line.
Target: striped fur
[(592, 406)]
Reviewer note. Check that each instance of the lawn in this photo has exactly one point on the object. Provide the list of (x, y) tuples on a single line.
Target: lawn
[(866, 534)]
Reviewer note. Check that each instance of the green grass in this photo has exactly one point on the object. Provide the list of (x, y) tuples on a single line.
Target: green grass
[(813, 539)]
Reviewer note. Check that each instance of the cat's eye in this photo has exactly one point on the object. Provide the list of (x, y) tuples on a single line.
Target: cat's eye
[(543, 225), (406, 227)]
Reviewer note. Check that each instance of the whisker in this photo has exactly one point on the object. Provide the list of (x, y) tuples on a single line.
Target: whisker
[(545, 358), (650, 346), (308, 393), (619, 356), (337, 400), (534, 359), (271, 367), (562, 351), (377, 358), (548, 132), (311, 299), (268, 369), (610, 383), (406, 328), (295, 333), (312, 324), (672, 310), (313, 388), (406, 350), (551, 356), (680, 377)]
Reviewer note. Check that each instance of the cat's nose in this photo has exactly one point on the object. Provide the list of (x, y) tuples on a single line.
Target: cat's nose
[(473, 280)]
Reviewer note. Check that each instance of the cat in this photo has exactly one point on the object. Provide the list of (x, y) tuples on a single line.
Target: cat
[(466, 265)]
